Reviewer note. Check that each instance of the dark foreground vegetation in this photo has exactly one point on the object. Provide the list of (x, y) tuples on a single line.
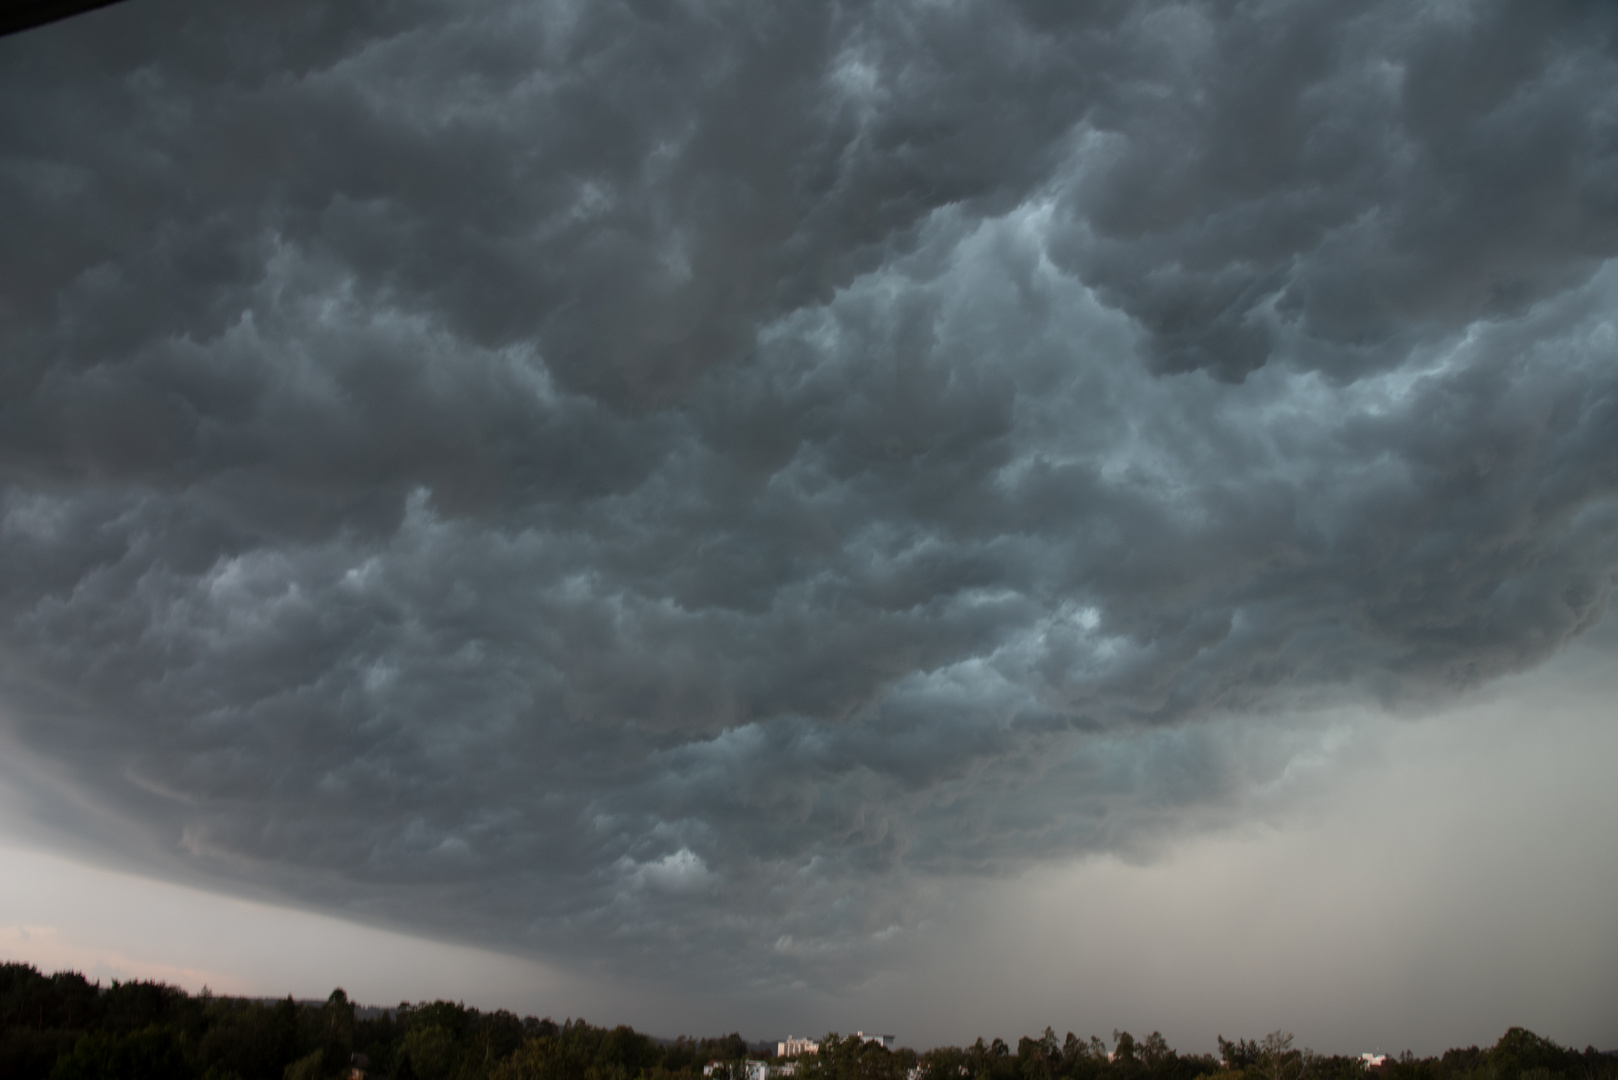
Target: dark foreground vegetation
[(62, 1027)]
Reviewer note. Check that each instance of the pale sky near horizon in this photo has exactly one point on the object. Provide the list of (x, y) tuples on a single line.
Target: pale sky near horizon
[(943, 515), (1416, 871)]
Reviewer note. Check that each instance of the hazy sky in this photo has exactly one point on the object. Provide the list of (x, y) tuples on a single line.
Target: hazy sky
[(943, 516)]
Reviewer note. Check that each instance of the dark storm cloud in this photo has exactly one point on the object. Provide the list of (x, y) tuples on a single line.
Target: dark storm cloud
[(666, 482)]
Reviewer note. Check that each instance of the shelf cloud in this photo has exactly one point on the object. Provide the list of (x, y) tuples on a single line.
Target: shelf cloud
[(672, 483)]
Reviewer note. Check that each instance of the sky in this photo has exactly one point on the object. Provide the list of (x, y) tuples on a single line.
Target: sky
[(942, 517)]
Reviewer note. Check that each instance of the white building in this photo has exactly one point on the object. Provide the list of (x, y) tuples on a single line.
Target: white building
[(756, 1070), (793, 1046)]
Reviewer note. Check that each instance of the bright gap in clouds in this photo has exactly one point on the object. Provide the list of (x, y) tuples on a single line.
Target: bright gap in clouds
[(1449, 877)]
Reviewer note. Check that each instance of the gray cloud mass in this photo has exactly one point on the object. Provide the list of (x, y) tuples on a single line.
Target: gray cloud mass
[(665, 483)]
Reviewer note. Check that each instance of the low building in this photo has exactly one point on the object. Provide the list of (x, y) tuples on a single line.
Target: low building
[(884, 1041), (756, 1070), (793, 1046)]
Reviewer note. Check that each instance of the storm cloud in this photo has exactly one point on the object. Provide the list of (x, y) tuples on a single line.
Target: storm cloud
[(672, 483)]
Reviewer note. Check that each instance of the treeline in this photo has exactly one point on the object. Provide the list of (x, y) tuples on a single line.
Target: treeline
[(1519, 1055), (62, 1027)]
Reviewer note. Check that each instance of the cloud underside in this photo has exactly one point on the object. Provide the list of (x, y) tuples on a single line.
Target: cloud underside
[(670, 483)]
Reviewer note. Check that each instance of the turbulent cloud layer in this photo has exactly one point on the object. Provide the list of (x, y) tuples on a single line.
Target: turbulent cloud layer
[(666, 482)]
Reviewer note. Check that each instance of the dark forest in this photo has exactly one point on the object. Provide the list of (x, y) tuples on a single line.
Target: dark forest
[(64, 1027)]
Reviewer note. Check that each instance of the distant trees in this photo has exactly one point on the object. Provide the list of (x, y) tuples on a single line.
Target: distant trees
[(1239, 1055), (307, 1067), (579, 1052), (849, 1057), (152, 1053), (1278, 1059), (62, 1027)]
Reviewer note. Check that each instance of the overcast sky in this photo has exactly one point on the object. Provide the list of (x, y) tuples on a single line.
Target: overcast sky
[(740, 514)]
